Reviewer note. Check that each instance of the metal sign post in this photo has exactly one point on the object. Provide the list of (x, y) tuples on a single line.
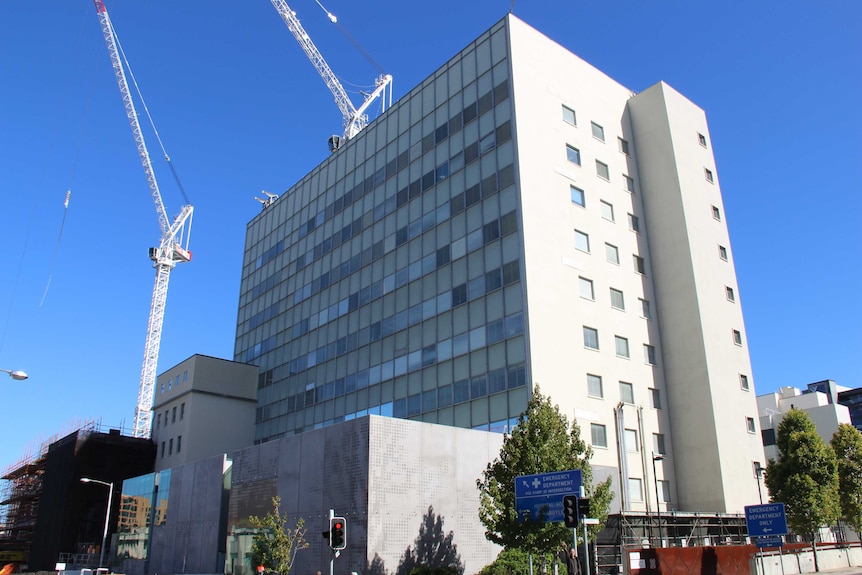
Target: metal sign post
[(332, 555)]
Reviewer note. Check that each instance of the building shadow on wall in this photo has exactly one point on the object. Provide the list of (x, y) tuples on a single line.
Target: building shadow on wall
[(433, 551)]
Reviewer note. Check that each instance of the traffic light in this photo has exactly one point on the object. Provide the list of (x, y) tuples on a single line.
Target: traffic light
[(584, 507), (337, 533), (570, 511)]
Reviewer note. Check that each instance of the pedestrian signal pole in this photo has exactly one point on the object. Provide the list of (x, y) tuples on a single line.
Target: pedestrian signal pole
[(584, 511)]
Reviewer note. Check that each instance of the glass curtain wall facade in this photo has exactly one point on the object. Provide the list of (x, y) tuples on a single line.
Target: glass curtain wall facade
[(389, 280), (142, 503)]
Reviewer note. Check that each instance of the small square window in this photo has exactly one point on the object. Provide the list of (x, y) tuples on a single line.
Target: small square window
[(729, 292), (634, 223), (627, 392), (708, 174), (607, 211), (701, 139), (716, 213), (631, 439), (622, 345), (598, 435), (602, 170), (658, 443), (640, 265), (585, 287), (663, 490), (737, 337), (722, 252), (645, 309), (630, 183), (617, 300), (582, 241), (594, 386), (743, 382), (569, 116), (655, 398), (591, 338), (624, 146), (649, 354), (636, 492), (749, 425), (578, 196), (179, 442), (598, 131), (573, 154), (612, 254)]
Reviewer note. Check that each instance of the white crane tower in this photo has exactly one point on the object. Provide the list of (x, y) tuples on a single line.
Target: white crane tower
[(173, 245), (354, 119)]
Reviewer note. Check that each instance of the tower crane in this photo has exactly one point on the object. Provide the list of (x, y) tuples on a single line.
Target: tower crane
[(354, 119), (173, 244)]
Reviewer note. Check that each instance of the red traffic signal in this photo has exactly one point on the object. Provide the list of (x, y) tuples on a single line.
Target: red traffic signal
[(337, 533)]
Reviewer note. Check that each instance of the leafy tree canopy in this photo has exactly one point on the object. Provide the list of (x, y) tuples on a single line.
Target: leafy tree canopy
[(541, 442), (805, 476), (276, 545), (847, 445), (508, 562)]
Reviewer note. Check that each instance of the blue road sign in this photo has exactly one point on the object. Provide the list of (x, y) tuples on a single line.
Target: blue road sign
[(766, 520), (543, 493), (772, 541)]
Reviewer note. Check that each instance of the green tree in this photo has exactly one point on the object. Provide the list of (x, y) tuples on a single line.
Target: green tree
[(508, 562), (805, 477), (847, 445), (541, 442), (276, 545)]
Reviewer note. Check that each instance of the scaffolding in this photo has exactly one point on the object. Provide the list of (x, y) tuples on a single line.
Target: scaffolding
[(638, 530), (20, 492)]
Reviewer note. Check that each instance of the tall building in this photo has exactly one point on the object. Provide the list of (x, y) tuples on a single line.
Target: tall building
[(518, 219)]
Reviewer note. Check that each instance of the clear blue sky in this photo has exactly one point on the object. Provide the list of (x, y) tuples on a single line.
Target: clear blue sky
[(241, 109)]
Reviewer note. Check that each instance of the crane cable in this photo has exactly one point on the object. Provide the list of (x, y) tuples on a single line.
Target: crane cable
[(150, 118), (69, 190), (57, 246), (353, 40)]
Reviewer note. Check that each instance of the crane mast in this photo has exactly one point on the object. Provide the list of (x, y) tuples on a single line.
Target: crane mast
[(173, 244), (354, 119)]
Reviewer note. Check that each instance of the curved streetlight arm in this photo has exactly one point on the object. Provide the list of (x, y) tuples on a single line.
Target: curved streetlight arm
[(16, 374), (107, 514)]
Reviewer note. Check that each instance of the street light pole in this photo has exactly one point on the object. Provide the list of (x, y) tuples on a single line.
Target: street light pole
[(107, 514), (16, 374), (655, 458), (758, 471)]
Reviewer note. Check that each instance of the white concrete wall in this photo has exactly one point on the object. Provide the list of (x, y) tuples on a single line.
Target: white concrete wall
[(546, 77), (825, 416), (714, 450)]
